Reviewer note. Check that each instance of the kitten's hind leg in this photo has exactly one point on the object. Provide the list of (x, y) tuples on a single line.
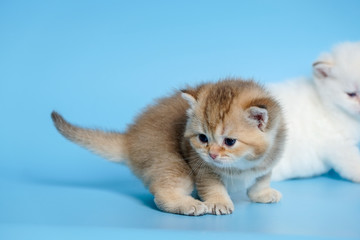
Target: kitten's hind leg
[(173, 195), (261, 191)]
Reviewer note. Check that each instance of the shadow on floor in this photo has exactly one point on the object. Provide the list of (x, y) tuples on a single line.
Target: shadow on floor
[(123, 185)]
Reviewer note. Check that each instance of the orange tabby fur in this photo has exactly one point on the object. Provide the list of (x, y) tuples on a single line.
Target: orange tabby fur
[(163, 148)]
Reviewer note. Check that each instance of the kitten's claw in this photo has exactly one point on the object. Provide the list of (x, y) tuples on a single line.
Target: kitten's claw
[(223, 208), (268, 195)]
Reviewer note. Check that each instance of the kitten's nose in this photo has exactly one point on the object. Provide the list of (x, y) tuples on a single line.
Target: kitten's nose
[(213, 155)]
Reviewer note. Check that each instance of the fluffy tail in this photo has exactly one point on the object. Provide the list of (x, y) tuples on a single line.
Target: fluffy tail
[(110, 145)]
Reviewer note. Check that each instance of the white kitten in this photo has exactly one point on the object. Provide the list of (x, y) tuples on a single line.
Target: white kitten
[(323, 117)]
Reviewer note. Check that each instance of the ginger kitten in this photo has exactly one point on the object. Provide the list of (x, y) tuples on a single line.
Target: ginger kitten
[(202, 136)]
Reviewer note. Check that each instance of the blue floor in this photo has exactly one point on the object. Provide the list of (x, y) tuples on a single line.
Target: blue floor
[(99, 62), (104, 199)]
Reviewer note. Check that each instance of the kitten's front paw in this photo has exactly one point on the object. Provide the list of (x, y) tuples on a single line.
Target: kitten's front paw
[(355, 179), (268, 195), (184, 205), (195, 208), (220, 208)]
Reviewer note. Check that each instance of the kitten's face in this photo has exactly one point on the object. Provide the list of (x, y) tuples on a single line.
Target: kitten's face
[(337, 77), (342, 92), (226, 135), (233, 143)]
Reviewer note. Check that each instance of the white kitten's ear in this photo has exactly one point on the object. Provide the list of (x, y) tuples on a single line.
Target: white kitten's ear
[(257, 116), (189, 97), (322, 70)]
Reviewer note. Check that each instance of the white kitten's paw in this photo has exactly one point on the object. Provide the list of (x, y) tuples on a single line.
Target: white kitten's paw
[(352, 175), (268, 195), (356, 179), (220, 208)]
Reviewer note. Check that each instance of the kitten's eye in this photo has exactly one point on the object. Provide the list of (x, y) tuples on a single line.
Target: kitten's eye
[(229, 141), (351, 94), (203, 138)]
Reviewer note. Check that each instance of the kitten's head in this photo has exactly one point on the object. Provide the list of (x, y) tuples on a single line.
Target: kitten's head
[(337, 77), (230, 122)]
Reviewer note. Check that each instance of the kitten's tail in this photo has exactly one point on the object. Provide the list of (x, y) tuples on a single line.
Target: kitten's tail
[(110, 145)]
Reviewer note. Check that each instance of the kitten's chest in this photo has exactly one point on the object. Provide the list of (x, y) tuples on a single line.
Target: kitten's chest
[(239, 182)]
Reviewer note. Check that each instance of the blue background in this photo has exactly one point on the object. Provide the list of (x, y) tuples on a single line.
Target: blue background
[(100, 62)]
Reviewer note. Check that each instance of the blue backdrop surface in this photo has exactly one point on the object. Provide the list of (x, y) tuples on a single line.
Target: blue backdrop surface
[(100, 62)]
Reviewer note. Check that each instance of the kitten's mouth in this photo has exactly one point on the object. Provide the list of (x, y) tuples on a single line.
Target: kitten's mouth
[(223, 161)]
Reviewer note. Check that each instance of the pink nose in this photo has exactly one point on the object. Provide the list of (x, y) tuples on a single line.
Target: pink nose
[(213, 155)]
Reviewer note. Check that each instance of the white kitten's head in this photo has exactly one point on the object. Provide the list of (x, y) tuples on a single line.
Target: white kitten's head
[(337, 77)]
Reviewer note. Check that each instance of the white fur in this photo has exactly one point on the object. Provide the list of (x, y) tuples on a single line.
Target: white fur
[(239, 183), (323, 121)]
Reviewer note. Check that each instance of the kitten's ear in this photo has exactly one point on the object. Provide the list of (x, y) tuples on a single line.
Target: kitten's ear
[(322, 70), (190, 97), (257, 116)]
